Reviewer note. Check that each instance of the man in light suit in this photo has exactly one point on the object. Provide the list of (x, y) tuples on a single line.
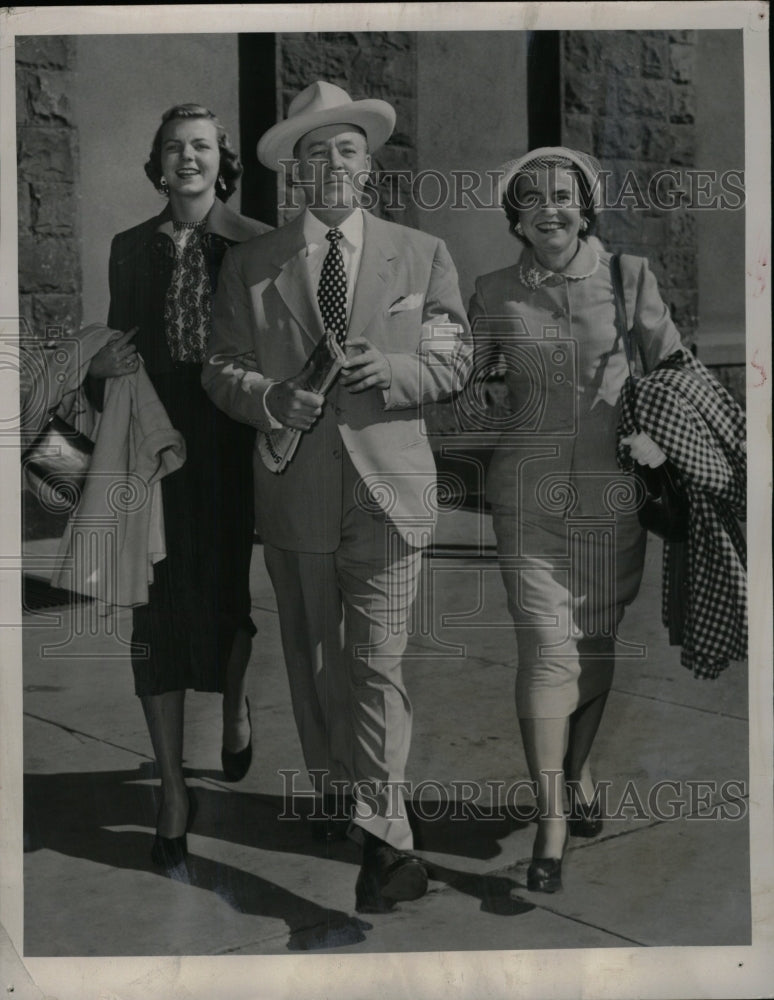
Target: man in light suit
[(345, 523)]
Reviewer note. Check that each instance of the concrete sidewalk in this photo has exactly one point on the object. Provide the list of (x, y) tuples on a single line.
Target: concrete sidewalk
[(260, 885)]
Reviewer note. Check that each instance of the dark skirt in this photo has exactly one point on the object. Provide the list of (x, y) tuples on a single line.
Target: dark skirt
[(200, 596)]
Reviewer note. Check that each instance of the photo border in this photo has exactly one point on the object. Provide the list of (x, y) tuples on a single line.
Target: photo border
[(601, 973)]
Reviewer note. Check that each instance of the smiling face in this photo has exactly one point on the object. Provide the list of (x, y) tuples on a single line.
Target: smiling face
[(190, 157), (549, 210), (333, 164)]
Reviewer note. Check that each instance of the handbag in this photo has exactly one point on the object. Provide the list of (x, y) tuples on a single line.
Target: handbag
[(57, 463), (665, 511)]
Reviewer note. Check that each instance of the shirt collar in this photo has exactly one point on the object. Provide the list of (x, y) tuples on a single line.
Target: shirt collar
[(351, 229)]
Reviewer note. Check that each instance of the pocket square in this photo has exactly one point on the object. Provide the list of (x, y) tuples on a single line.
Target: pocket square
[(406, 302)]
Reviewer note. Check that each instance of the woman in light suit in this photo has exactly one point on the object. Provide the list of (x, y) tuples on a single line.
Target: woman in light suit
[(571, 555)]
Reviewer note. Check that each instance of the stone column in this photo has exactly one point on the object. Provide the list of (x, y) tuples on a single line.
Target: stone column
[(629, 98), (49, 268)]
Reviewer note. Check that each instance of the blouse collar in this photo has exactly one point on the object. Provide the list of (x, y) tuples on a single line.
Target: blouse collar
[(533, 274)]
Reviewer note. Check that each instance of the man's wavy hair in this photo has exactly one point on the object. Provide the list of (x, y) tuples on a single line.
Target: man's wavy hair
[(230, 165), (511, 201)]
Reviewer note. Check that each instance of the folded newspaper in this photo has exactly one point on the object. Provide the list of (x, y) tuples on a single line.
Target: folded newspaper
[(278, 446)]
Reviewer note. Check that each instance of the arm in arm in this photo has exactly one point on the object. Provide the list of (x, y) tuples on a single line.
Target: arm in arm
[(487, 352), (230, 375), (442, 362)]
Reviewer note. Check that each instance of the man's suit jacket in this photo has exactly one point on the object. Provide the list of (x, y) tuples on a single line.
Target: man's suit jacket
[(265, 323)]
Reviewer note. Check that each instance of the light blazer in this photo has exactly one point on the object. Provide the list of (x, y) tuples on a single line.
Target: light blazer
[(566, 369), (265, 323)]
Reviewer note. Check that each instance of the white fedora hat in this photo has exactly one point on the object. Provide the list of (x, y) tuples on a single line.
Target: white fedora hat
[(324, 103)]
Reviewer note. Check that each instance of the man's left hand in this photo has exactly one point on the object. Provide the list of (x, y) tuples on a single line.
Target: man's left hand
[(365, 367)]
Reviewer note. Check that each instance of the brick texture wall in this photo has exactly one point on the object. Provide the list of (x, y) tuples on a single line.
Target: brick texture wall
[(49, 263), (629, 98), (372, 64)]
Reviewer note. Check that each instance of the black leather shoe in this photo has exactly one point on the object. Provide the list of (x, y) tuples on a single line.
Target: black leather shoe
[(405, 879), (236, 765), (545, 875), (368, 897), (171, 852), (584, 820), (386, 877)]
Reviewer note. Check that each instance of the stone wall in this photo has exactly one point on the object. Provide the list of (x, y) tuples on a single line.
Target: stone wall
[(372, 64), (49, 267), (629, 98)]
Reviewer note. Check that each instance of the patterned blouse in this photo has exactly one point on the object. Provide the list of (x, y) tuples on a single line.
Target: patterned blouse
[(187, 307)]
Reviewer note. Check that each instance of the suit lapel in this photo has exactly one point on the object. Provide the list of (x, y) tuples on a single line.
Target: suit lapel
[(374, 276), (293, 282), (371, 289)]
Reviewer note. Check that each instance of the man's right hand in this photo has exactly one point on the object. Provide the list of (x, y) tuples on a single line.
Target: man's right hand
[(293, 406)]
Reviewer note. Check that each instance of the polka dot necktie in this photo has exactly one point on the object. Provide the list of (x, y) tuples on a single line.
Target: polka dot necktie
[(332, 291)]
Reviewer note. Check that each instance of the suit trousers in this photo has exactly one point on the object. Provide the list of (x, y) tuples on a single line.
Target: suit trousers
[(344, 624)]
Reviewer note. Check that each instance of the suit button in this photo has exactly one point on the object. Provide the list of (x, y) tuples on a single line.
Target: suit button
[(336, 453), (337, 411)]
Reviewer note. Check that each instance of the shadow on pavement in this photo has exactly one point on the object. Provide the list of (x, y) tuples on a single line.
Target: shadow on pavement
[(76, 813), (470, 832), (70, 813)]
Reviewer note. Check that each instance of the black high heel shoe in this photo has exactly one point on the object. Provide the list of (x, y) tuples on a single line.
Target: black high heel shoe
[(545, 874), (171, 852), (584, 820), (236, 765)]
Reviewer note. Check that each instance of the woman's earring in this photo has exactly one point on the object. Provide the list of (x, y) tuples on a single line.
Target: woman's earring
[(584, 225), (221, 181), (163, 185), (519, 231)]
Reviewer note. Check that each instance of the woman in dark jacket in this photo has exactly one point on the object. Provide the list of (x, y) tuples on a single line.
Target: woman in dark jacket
[(195, 632)]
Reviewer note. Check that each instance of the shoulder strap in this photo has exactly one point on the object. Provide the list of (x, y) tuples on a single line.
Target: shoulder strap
[(620, 310)]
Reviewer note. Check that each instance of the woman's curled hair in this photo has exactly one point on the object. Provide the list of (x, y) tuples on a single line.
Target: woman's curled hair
[(230, 165)]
